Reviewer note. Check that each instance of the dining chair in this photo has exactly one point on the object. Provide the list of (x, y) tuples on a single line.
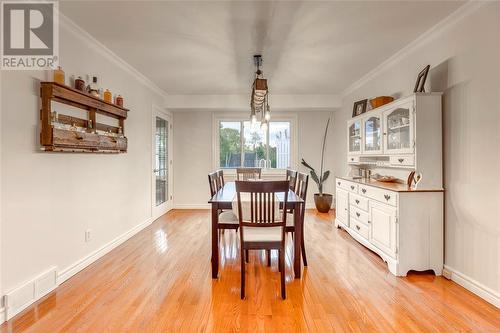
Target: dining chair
[(227, 219), (301, 191), (262, 223), (248, 173), (291, 176)]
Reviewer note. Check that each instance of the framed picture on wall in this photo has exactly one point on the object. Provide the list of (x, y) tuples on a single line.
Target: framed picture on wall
[(422, 76), (359, 107)]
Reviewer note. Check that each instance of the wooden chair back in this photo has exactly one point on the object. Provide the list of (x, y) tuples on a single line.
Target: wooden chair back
[(262, 203), (215, 181), (248, 173), (291, 176), (301, 190)]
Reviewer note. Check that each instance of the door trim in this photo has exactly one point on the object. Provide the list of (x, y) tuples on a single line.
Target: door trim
[(155, 211)]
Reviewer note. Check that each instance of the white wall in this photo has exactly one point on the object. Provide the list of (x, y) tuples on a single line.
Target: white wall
[(464, 59), (193, 153), (50, 199)]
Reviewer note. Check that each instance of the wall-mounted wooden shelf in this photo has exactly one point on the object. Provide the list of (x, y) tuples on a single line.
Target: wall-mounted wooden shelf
[(80, 137)]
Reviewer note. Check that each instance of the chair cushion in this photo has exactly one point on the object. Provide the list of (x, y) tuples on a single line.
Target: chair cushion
[(228, 217), (262, 234)]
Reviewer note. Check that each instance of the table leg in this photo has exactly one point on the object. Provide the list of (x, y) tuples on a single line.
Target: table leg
[(215, 241), (297, 221)]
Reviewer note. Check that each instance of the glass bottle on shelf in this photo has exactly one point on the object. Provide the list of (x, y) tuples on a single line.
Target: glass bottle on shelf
[(59, 76), (119, 100), (107, 96), (80, 84), (93, 87)]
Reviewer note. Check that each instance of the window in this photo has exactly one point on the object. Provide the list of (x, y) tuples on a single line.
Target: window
[(243, 144)]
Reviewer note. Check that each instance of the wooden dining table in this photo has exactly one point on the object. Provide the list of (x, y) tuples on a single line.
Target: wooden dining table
[(224, 198)]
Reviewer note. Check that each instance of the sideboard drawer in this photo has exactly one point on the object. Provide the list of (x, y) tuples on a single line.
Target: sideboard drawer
[(360, 228), (358, 201), (348, 186), (403, 160), (384, 196), (353, 159), (359, 214)]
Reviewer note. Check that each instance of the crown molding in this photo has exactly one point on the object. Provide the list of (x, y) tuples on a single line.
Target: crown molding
[(72, 27), (449, 21)]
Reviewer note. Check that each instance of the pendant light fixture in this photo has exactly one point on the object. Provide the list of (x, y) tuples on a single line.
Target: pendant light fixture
[(259, 100)]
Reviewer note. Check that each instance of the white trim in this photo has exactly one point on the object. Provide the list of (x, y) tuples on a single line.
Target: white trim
[(192, 206), (463, 11), (72, 27), (292, 117), (71, 270), (472, 285), (2, 315)]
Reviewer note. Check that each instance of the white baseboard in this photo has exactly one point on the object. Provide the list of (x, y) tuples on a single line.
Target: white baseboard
[(92, 257), (2, 315), (192, 206), (31, 291), (472, 285), (21, 297)]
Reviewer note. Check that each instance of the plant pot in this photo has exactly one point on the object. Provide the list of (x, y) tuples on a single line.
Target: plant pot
[(323, 202)]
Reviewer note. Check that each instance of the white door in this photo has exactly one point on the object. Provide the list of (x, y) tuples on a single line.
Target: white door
[(342, 207), (383, 227), (398, 129), (162, 163)]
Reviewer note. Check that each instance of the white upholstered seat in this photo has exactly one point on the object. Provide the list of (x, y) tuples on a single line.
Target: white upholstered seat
[(228, 217), (262, 234)]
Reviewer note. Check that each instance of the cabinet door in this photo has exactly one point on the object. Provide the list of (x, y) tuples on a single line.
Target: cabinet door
[(354, 137), (383, 235), (342, 206), (398, 129), (372, 135)]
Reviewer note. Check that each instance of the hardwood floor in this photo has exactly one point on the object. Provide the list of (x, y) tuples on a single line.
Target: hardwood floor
[(160, 281)]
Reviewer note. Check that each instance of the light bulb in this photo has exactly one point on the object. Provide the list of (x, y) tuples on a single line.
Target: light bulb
[(263, 126), (267, 115), (254, 119)]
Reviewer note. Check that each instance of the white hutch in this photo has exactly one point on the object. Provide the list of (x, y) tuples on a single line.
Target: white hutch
[(403, 225)]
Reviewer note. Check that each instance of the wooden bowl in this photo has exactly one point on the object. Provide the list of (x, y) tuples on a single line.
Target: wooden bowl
[(381, 100)]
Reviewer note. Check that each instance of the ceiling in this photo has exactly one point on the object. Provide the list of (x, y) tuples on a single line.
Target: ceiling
[(206, 47)]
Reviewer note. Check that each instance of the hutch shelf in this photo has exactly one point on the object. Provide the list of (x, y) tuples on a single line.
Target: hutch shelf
[(66, 133)]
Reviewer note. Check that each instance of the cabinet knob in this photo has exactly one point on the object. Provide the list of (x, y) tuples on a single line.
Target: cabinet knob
[(369, 222), (358, 214), (357, 227), (357, 201), (387, 197), (352, 187), (352, 159), (400, 160), (338, 183), (363, 190)]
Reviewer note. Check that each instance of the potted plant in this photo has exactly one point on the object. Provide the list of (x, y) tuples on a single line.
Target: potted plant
[(323, 201)]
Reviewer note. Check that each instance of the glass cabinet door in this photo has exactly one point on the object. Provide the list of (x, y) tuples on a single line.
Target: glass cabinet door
[(354, 137), (399, 130), (372, 131)]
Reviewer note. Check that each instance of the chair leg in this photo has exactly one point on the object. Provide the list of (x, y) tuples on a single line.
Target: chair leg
[(269, 258), (304, 258), (282, 272), (242, 288), (279, 261), (247, 259)]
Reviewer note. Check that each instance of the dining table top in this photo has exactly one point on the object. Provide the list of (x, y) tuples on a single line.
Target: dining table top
[(227, 194)]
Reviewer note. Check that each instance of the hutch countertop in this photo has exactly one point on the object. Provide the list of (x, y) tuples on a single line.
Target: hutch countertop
[(397, 187)]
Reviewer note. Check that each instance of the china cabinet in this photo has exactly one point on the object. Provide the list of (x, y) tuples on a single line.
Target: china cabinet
[(403, 225)]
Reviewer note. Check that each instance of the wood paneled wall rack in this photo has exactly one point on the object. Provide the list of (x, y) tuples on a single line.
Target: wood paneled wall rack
[(72, 134)]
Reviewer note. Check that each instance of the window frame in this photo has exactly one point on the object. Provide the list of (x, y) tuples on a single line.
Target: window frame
[(241, 117)]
